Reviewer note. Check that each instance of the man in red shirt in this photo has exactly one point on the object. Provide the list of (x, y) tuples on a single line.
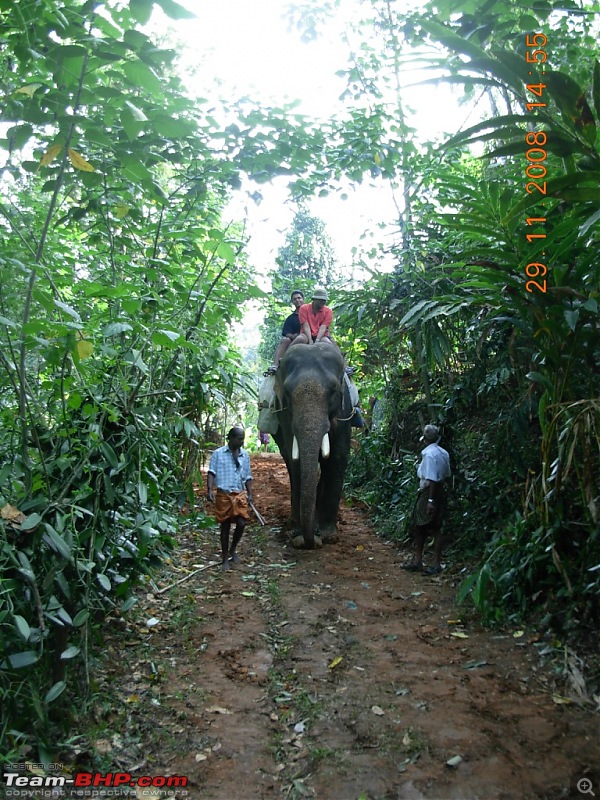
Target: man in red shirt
[(315, 319)]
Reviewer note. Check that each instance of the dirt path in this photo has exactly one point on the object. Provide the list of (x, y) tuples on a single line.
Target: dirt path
[(335, 675)]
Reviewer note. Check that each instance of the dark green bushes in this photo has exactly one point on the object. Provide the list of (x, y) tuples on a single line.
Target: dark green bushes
[(119, 284)]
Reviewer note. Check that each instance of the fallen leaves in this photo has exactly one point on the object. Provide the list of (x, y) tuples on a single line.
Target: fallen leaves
[(151, 794), (207, 752), (12, 514), (475, 664), (561, 701)]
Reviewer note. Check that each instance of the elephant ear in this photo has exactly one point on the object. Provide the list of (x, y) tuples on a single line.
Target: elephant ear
[(347, 401), (278, 390)]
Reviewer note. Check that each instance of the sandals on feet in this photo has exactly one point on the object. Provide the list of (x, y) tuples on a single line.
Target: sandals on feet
[(271, 371)]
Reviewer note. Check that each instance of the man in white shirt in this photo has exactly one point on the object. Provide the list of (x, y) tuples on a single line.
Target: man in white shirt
[(430, 507)]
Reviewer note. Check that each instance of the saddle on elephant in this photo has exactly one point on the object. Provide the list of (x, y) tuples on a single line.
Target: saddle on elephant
[(267, 406), (269, 403)]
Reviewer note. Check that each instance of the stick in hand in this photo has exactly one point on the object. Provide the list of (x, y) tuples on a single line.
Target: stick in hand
[(258, 516)]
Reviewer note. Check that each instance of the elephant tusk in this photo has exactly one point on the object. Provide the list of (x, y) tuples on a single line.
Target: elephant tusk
[(325, 448)]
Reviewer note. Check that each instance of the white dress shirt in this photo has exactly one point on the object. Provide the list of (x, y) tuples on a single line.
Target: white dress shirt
[(434, 466)]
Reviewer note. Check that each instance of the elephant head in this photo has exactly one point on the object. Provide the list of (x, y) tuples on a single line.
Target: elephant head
[(314, 434)]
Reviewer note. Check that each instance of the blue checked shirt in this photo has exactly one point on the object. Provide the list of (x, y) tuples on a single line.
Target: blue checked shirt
[(228, 477)]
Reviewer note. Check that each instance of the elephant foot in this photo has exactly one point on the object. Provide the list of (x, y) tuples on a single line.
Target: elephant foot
[(330, 538), (299, 544), (329, 534)]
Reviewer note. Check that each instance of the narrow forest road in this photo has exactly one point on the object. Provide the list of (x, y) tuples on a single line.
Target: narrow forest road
[(334, 675)]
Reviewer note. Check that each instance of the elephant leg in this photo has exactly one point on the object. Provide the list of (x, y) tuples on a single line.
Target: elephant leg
[(294, 471), (330, 489), (331, 484)]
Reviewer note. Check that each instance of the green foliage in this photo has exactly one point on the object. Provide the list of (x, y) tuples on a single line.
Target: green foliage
[(305, 260), (515, 569), (384, 481), (119, 285), (506, 364)]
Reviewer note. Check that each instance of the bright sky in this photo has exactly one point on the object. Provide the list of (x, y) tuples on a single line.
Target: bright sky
[(238, 48), (247, 45), (245, 48)]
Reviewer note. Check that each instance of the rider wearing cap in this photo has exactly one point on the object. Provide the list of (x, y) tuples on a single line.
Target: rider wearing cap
[(315, 319)]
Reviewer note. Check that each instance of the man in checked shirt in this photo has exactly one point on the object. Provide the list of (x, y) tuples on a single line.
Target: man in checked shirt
[(229, 474)]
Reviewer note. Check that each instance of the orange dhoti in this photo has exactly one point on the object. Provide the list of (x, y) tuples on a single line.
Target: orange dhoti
[(229, 505)]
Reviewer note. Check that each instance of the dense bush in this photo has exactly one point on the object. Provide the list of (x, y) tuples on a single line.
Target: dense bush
[(119, 286), (509, 367)]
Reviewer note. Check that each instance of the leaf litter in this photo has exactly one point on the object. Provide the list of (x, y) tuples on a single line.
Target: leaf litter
[(273, 666)]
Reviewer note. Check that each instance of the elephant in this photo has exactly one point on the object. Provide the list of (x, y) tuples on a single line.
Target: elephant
[(313, 436)]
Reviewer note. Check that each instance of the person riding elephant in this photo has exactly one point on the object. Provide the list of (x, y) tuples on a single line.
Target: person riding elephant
[(289, 332), (313, 436)]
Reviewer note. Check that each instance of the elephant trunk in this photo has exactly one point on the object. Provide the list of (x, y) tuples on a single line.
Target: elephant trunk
[(309, 447), (311, 437)]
